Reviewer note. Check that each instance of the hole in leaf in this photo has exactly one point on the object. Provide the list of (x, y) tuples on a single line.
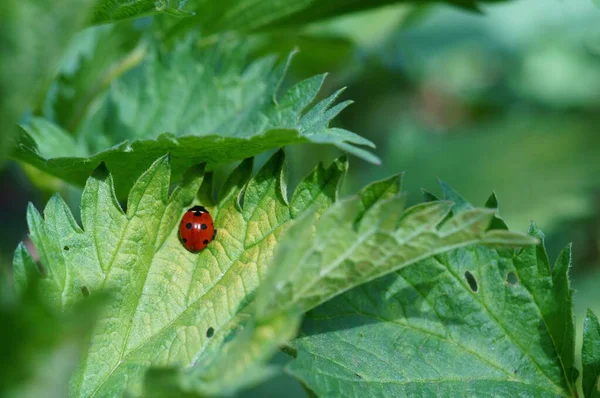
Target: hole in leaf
[(471, 281), (511, 278), (66, 248), (85, 291), (210, 332)]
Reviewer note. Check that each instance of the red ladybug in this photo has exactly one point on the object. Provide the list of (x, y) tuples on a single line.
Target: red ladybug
[(196, 229)]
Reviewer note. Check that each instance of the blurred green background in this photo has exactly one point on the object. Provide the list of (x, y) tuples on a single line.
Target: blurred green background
[(505, 101)]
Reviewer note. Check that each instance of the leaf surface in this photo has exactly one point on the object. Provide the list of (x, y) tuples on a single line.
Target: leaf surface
[(321, 256), (28, 56), (246, 15), (474, 320), (168, 305), (204, 107)]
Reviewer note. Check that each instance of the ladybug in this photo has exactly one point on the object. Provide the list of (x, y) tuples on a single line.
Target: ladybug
[(196, 229)]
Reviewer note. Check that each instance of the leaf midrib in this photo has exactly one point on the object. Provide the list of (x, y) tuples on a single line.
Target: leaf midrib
[(102, 286)]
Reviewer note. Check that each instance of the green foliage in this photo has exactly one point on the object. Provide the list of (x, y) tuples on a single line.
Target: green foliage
[(165, 298), (590, 356), (40, 347), (244, 15), (30, 52), (199, 108), (362, 239), (115, 10), (95, 58), (440, 298), (172, 308), (321, 256), (474, 320), (527, 141)]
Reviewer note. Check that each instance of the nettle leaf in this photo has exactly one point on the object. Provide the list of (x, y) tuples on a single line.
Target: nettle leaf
[(95, 57), (590, 355), (472, 321), (238, 364), (362, 239), (115, 10), (247, 15), (41, 347), (33, 35), (204, 107), (168, 305)]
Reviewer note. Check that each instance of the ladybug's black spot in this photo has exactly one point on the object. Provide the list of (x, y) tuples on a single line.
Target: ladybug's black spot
[(203, 226), (184, 240), (198, 209), (197, 213), (210, 332), (206, 241), (188, 225)]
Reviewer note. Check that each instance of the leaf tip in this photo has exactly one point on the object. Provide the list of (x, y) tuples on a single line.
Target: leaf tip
[(428, 196), (492, 202), (536, 232)]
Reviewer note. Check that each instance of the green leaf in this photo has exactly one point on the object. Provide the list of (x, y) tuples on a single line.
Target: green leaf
[(95, 57), (248, 15), (115, 10), (239, 365), (590, 355), (497, 222), (30, 52), (199, 108), (169, 305), (41, 348), (321, 258), (475, 320)]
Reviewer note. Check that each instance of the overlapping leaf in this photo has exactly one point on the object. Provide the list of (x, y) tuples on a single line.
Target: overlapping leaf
[(359, 240), (199, 108), (473, 321), (168, 304)]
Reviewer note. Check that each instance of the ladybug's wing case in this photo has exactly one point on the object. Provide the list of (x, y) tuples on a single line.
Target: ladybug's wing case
[(196, 229)]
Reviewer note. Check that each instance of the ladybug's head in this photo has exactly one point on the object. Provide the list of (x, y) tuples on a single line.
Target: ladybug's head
[(198, 209)]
